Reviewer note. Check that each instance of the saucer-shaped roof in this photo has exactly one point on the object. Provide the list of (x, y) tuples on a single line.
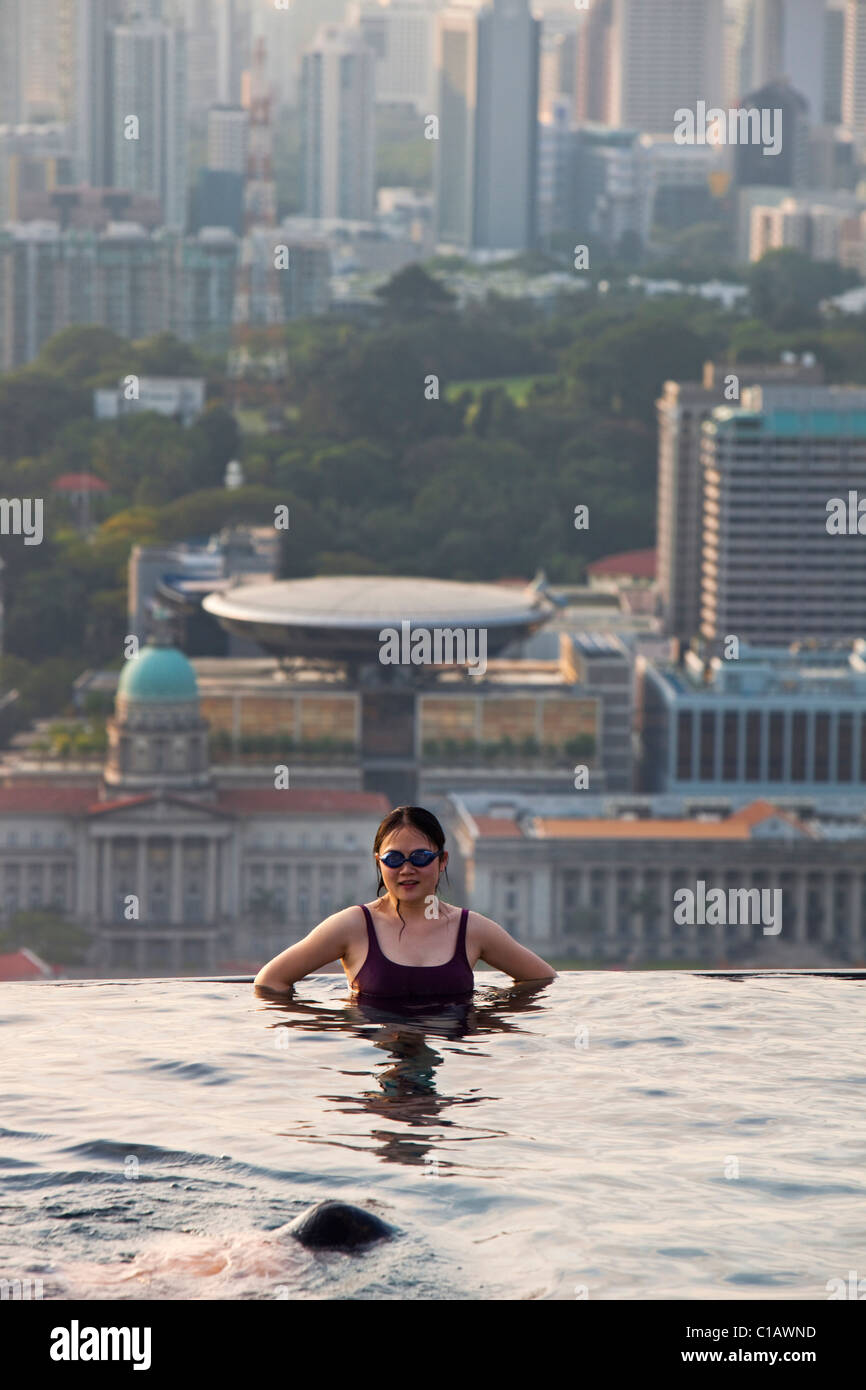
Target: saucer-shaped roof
[(342, 616)]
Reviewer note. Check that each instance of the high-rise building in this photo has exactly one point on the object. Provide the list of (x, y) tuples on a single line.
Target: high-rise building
[(682, 409), (229, 52), (227, 138), (557, 79), (337, 111), (37, 59), (664, 55), (834, 61), (774, 568), (149, 74), (402, 34), (94, 88), (789, 168), (132, 282), (594, 57), (786, 39), (486, 155), (854, 72)]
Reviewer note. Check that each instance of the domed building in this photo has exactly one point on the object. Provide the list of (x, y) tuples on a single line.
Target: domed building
[(167, 866), (157, 733)]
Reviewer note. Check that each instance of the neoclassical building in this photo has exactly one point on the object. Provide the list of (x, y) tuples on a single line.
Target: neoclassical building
[(172, 865)]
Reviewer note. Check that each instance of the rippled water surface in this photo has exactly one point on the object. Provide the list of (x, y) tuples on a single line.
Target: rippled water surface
[(617, 1135)]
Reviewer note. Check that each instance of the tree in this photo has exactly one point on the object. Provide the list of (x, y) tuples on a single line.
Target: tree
[(165, 355), (34, 405), (85, 354), (786, 287), (412, 292), (47, 932)]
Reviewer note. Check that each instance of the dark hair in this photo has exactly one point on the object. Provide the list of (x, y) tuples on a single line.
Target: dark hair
[(419, 819)]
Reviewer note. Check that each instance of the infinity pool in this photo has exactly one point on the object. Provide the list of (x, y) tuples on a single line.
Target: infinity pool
[(615, 1135)]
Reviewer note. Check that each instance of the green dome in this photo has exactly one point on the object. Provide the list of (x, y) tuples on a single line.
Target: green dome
[(160, 674)]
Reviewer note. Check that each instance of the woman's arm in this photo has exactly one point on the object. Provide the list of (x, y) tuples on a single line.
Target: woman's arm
[(504, 953), (324, 943)]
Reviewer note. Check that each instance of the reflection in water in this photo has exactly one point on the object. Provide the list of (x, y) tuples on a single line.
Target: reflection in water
[(407, 1085)]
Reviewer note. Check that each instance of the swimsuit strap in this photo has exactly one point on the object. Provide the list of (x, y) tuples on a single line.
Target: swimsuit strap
[(371, 931)]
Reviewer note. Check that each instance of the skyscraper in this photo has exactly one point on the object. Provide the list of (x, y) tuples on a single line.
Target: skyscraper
[(94, 85), (401, 35), (774, 570), (682, 409), (785, 39), (664, 55), (854, 72), (486, 154), (149, 72), (594, 58), (337, 112)]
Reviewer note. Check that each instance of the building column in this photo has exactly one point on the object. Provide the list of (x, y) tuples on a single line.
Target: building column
[(540, 923), (785, 898), (611, 937), (666, 913), (105, 850), (802, 897), (141, 878), (828, 926), (210, 883), (636, 923), (175, 915), (855, 914)]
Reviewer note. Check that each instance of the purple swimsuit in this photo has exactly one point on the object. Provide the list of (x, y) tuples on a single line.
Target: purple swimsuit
[(380, 977)]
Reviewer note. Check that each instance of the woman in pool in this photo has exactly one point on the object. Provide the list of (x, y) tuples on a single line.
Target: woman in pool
[(407, 944)]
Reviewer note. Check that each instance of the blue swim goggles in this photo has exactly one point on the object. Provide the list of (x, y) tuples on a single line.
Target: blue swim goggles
[(419, 857)]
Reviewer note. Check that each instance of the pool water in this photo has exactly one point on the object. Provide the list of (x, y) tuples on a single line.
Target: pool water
[(613, 1135)]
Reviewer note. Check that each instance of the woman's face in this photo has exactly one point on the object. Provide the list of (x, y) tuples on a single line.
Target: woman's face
[(408, 883)]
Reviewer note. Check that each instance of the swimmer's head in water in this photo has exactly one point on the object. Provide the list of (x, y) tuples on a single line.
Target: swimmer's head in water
[(406, 830)]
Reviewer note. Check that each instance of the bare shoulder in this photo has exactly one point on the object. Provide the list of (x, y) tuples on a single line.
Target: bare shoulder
[(481, 927), (344, 928)]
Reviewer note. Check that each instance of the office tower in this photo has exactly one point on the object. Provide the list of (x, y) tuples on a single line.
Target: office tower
[(854, 73), (486, 154), (94, 85), (289, 34), (149, 70), (834, 61), (228, 53), (338, 135), (134, 282), (557, 74), (11, 74), (402, 35), (665, 54), (338, 141), (785, 39), (594, 58), (734, 25), (36, 60), (682, 408), (777, 720), (227, 136), (773, 569), (790, 167), (199, 18)]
